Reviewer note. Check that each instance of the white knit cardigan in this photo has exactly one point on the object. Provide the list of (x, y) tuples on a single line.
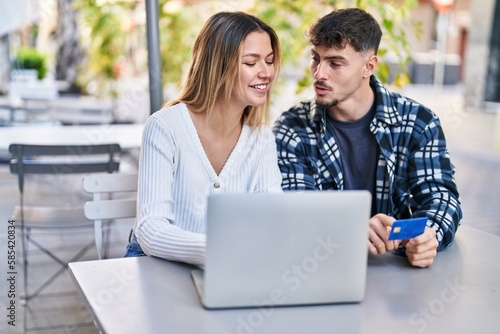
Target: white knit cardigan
[(176, 177)]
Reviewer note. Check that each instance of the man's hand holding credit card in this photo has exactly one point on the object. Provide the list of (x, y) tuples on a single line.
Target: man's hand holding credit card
[(404, 229)]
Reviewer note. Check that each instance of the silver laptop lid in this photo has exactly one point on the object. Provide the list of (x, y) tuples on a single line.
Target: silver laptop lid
[(293, 248)]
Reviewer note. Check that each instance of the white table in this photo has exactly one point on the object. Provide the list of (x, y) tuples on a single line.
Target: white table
[(31, 107), (127, 135), (459, 293)]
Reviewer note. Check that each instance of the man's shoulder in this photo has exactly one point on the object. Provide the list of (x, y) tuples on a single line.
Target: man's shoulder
[(300, 113), (399, 106), (412, 109)]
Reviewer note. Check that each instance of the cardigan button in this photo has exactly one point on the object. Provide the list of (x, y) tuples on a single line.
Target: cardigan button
[(216, 185)]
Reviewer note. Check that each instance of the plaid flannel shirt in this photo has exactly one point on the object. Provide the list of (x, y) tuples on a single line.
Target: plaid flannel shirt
[(414, 175)]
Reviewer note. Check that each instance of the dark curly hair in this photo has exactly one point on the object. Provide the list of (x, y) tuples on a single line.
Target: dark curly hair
[(351, 26)]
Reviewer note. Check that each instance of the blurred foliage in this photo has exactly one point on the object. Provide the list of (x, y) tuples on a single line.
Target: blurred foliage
[(104, 45), (28, 58), (180, 21), (292, 18), (178, 29)]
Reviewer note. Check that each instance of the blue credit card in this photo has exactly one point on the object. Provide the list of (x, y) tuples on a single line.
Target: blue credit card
[(404, 229)]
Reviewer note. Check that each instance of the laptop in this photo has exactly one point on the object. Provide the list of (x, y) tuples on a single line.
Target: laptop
[(293, 248)]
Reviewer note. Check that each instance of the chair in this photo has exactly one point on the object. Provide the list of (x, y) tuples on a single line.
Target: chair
[(55, 160), (101, 209)]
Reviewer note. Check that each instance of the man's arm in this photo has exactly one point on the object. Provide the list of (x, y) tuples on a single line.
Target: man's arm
[(295, 164), (431, 178)]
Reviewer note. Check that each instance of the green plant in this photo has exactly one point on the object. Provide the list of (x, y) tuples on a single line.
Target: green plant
[(29, 58), (105, 44), (179, 25), (178, 29)]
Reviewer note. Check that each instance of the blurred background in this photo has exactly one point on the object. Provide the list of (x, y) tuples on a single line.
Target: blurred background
[(99, 48), (71, 63)]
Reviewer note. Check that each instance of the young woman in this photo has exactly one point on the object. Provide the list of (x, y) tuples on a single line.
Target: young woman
[(211, 139)]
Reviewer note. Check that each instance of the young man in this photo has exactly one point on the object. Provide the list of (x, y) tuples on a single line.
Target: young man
[(359, 135)]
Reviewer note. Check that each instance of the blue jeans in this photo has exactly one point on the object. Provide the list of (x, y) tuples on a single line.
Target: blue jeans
[(133, 247)]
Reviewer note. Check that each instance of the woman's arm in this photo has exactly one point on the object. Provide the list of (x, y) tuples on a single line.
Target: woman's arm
[(156, 231)]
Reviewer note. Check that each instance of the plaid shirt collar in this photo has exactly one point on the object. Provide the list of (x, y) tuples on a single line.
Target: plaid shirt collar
[(386, 112)]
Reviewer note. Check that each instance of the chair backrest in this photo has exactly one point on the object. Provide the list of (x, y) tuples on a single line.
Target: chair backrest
[(43, 159), (98, 184), (109, 208)]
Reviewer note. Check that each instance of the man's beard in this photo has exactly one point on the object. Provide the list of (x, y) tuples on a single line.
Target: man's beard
[(327, 105)]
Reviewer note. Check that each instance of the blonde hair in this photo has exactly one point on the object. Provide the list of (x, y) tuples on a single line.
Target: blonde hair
[(214, 69)]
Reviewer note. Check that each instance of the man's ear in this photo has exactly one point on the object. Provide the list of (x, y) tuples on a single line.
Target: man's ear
[(370, 66)]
